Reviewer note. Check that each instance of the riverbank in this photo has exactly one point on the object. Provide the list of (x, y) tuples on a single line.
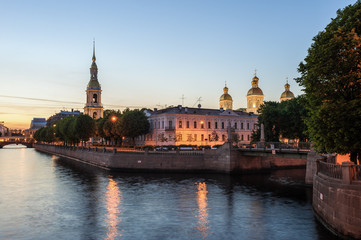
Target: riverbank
[(221, 160)]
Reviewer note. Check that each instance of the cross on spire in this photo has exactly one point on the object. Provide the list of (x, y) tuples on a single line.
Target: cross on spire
[(255, 72)]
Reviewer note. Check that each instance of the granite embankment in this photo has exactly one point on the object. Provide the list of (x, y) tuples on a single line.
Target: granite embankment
[(337, 198), (223, 160)]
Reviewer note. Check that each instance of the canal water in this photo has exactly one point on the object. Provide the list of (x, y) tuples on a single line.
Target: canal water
[(47, 197)]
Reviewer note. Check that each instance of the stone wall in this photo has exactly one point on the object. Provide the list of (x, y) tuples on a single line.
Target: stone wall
[(223, 159), (337, 202)]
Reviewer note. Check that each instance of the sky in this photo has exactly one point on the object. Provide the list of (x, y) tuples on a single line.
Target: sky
[(150, 53)]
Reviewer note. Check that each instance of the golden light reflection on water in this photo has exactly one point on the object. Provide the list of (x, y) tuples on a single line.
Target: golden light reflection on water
[(202, 201), (113, 201)]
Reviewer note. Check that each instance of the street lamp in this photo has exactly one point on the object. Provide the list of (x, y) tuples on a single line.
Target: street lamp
[(114, 118)]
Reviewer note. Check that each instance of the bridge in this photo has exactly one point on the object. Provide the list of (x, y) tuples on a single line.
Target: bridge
[(28, 142)]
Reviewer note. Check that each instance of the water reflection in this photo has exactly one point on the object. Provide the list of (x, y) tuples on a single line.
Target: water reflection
[(113, 202), (202, 201)]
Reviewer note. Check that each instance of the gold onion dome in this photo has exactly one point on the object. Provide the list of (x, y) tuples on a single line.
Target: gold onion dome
[(255, 90), (225, 95), (287, 93)]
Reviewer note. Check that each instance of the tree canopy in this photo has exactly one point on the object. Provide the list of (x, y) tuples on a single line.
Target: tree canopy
[(331, 77), (133, 123), (285, 119)]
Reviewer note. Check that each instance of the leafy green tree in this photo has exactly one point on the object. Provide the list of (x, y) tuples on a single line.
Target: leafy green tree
[(37, 134), (84, 127), (331, 76), (133, 123), (270, 116), (49, 134), (285, 119)]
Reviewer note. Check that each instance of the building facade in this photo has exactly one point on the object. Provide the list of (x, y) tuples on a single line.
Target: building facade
[(255, 97), (61, 115), (93, 106), (198, 126)]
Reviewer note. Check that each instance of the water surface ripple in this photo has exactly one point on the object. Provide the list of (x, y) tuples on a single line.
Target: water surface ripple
[(47, 197)]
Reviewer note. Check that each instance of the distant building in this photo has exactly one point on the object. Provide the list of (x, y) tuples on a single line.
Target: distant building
[(255, 96), (37, 123), (93, 106), (287, 94), (197, 126), (3, 130), (60, 115)]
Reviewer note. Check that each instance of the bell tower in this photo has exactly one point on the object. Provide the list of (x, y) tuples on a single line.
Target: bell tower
[(93, 106)]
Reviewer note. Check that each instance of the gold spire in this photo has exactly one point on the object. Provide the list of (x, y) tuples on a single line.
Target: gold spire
[(94, 50)]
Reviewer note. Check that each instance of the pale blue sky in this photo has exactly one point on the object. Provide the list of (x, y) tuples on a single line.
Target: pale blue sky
[(149, 53)]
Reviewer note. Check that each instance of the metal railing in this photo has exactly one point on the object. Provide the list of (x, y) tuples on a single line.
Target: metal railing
[(330, 169), (358, 172), (281, 145)]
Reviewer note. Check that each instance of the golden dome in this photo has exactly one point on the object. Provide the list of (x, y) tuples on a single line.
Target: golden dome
[(287, 94), (254, 91), (225, 95)]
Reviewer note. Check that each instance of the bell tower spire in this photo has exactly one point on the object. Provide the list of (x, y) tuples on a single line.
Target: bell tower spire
[(93, 106), (94, 58)]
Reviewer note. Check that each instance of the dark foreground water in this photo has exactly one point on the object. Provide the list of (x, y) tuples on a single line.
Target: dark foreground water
[(46, 197)]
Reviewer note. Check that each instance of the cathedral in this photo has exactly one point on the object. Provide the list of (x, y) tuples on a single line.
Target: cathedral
[(255, 97), (93, 106)]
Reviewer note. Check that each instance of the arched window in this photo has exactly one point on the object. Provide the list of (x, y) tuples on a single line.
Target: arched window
[(95, 115), (95, 98)]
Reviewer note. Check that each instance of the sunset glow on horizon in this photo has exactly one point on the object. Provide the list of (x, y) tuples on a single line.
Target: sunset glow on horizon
[(150, 54)]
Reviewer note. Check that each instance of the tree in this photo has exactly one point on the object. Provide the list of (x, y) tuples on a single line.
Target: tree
[(84, 127), (110, 128), (133, 123), (331, 77), (270, 116), (284, 119)]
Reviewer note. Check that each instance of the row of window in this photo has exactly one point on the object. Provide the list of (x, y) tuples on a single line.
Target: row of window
[(194, 138), (209, 125)]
